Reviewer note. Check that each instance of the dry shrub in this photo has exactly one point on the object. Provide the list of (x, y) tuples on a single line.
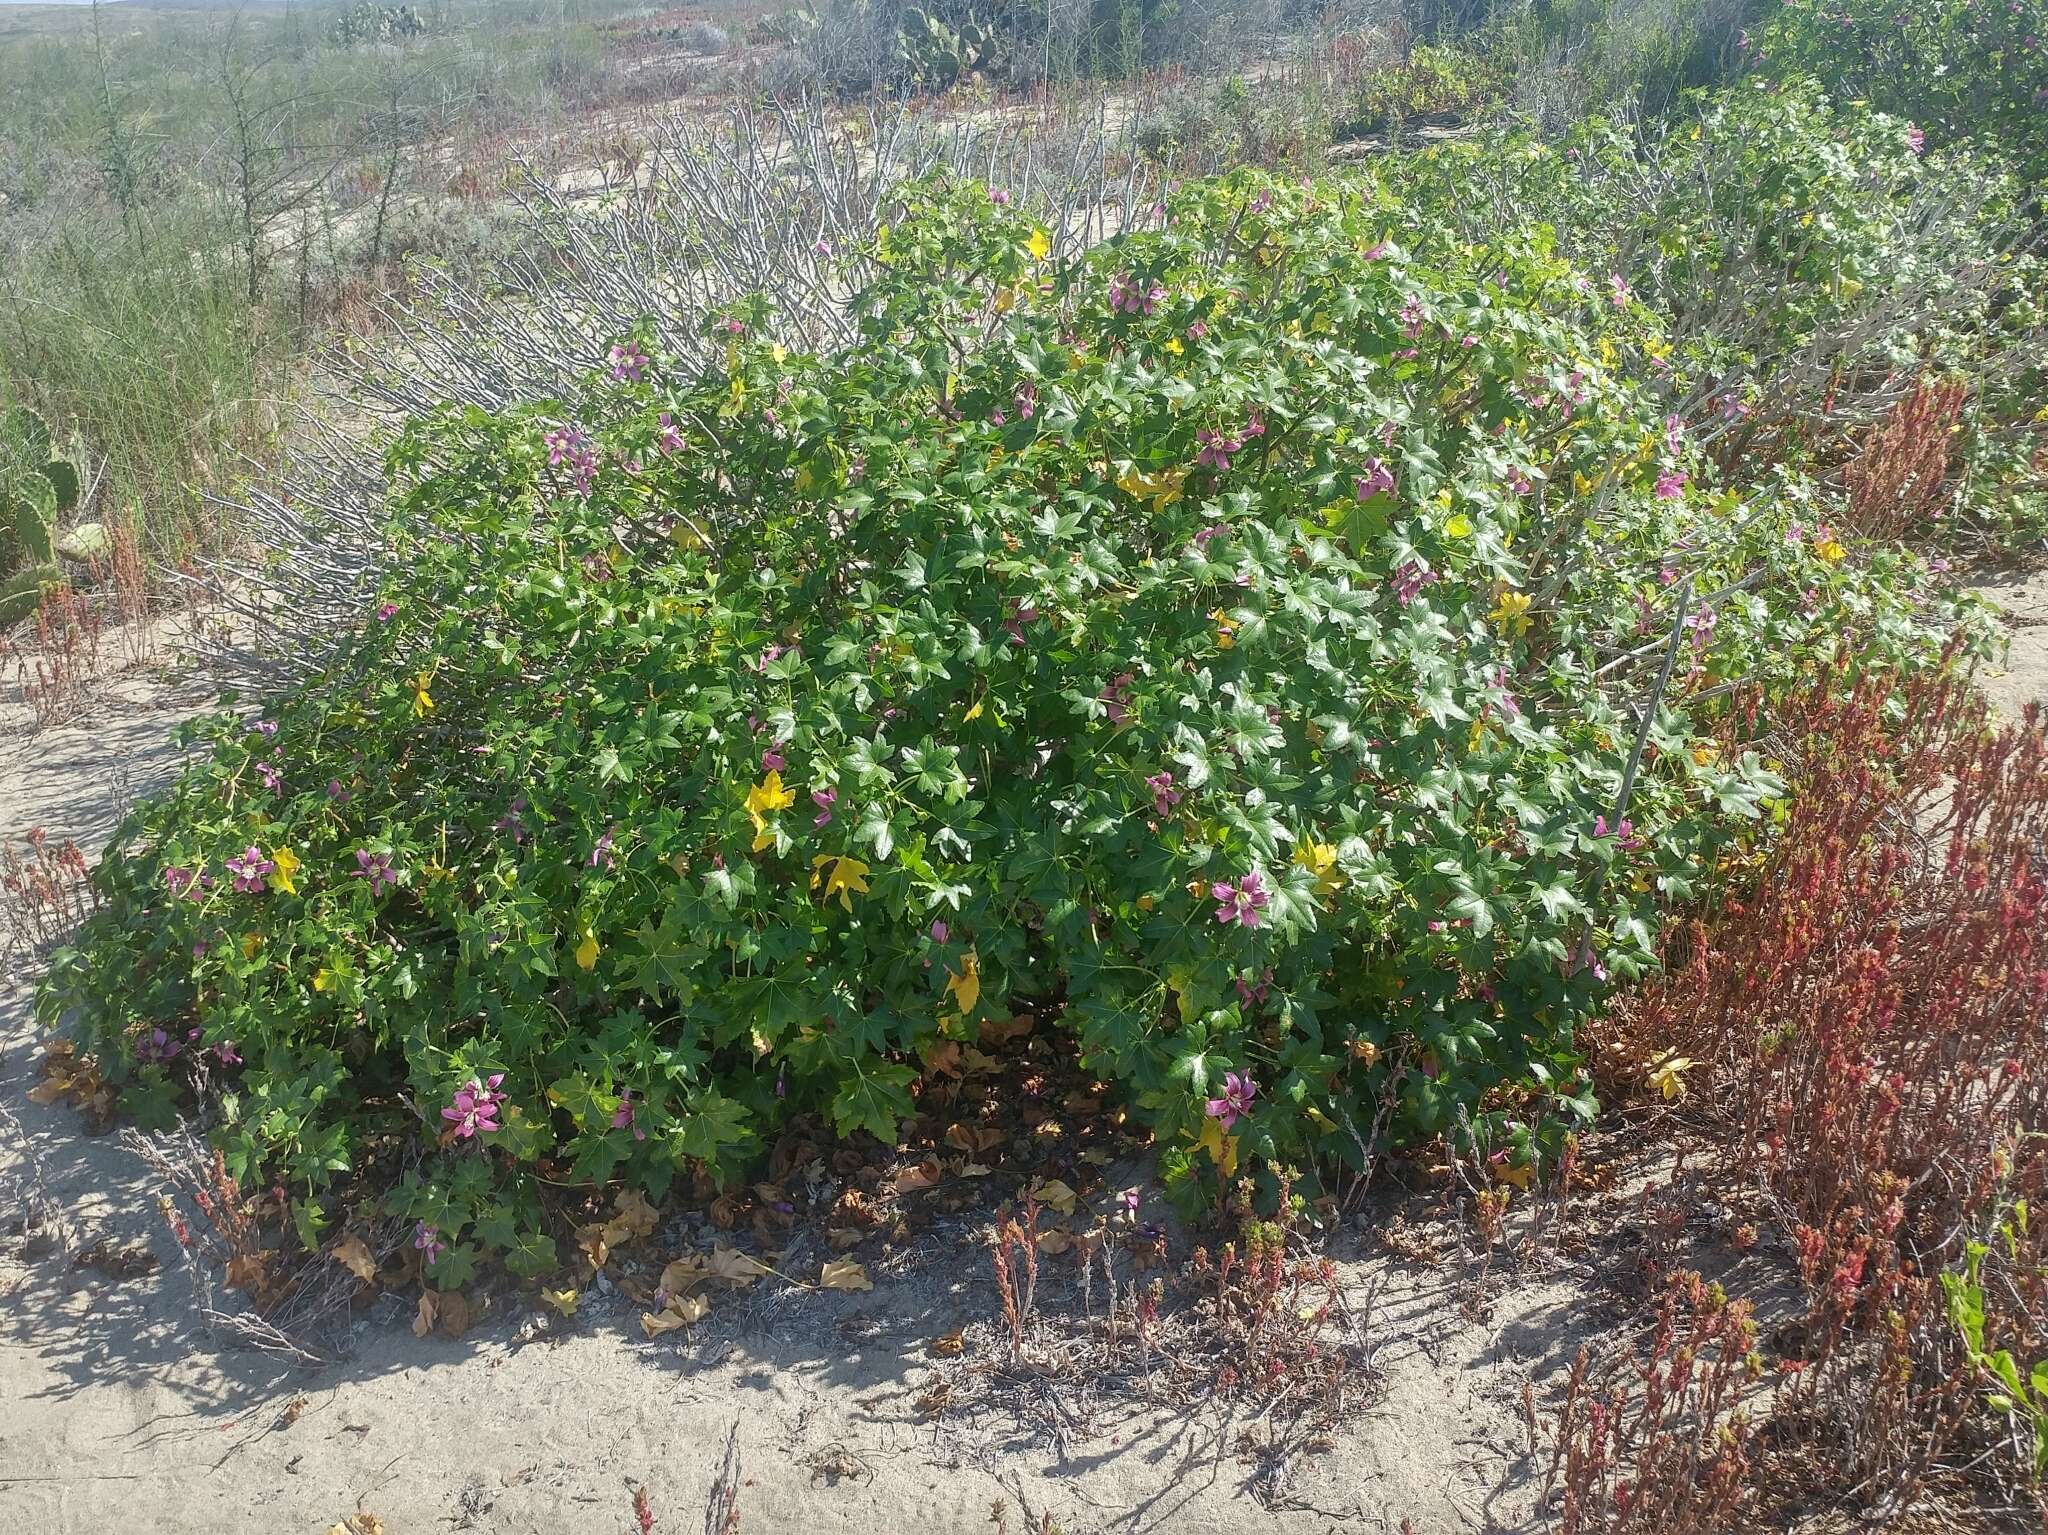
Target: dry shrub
[(1657, 1441), (1896, 483), (1875, 1013)]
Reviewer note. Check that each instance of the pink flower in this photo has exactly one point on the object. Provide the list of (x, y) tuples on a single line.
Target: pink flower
[(265, 728), (940, 932), (601, 854), (1378, 479), (474, 1109), (1916, 139), (1241, 902), (513, 820), (622, 1116), (1409, 579), (824, 799), (272, 778), (821, 247), (772, 760), (1164, 795), (428, 1240), (569, 447), (1215, 449), (670, 440), (1519, 482), (1732, 408), (1411, 319), (337, 793), (250, 870), (1025, 400), (1670, 484), (1205, 536), (999, 197), (185, 882), (627, 362), (387, 612), (1377, 252), (1617, 290), (1238, 1092), (1197, 330), (1134, 295), (374, 867), (1674, 433), (1115, 698)]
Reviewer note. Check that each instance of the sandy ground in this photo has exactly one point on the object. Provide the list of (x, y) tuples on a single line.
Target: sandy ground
[(120, 1412)]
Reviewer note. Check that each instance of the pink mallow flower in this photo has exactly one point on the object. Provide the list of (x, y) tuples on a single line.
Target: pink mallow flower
[(1409, 579), (1164, 795), (1242, 901), (1238, 1092), (374, 867), (250, 869), (1215, 449), (824, 799), (428, 1240), (1671, 484), (1377, 479), (622, 1116), (474, 1109), (628, 363)]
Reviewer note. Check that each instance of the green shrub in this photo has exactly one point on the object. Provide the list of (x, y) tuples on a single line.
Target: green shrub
[(1431, 82), (1956, 69), (1222, 647)]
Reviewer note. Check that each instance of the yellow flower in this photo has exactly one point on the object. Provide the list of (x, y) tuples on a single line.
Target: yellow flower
[(286, 864), (846, 878), (1040, 245), (1175, 346), (1512, 612), (1668, 1076), (1706, 754), (1161, 489), (1226, 629), (1831, 551), (1320, 859), (1459, 526), (422, 700)]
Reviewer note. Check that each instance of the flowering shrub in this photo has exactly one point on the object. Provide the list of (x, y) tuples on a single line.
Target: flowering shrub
[(1960, 68), (1222, 646)]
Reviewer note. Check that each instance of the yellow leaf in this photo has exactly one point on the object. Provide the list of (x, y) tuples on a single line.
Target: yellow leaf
[(768, 794), (966, 986), (1512, 1175), (353, 1254), (1055, 1195), (1459, 526), (1364, 1051), (586, 951), (287, 867), (1320, 859), (1668, 1076), (1161, 489), (1221, 1147), (1831, 551), (844, 1275), (422, 700), (972, 714), (323, 979), (1040, 245), (845, 878), (251, 942), (1511, 612), (564, 1302), (1175, 345), (1706, 754)]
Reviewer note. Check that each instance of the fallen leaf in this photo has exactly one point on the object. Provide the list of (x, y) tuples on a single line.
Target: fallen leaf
[(681, 1311), (353, 1254), (949, 1346), (564, 1302), (922, 1176), (454, 1313), (684, 1275), (944, 1058), (1054, 1241), (974, 1170), (735, 1267), (246, 1272), (1055, 1195), (592, 1242), (293, 1410), (358, 1524), (430, 1310), (640, 1217), (842, 1237), (996, 1031), (844, 1275)]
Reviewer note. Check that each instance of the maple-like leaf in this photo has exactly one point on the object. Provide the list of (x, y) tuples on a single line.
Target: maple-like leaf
[(353, 1254), (844, 1275)]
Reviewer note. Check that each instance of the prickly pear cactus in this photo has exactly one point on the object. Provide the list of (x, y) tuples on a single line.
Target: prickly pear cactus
[(37, 486)]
